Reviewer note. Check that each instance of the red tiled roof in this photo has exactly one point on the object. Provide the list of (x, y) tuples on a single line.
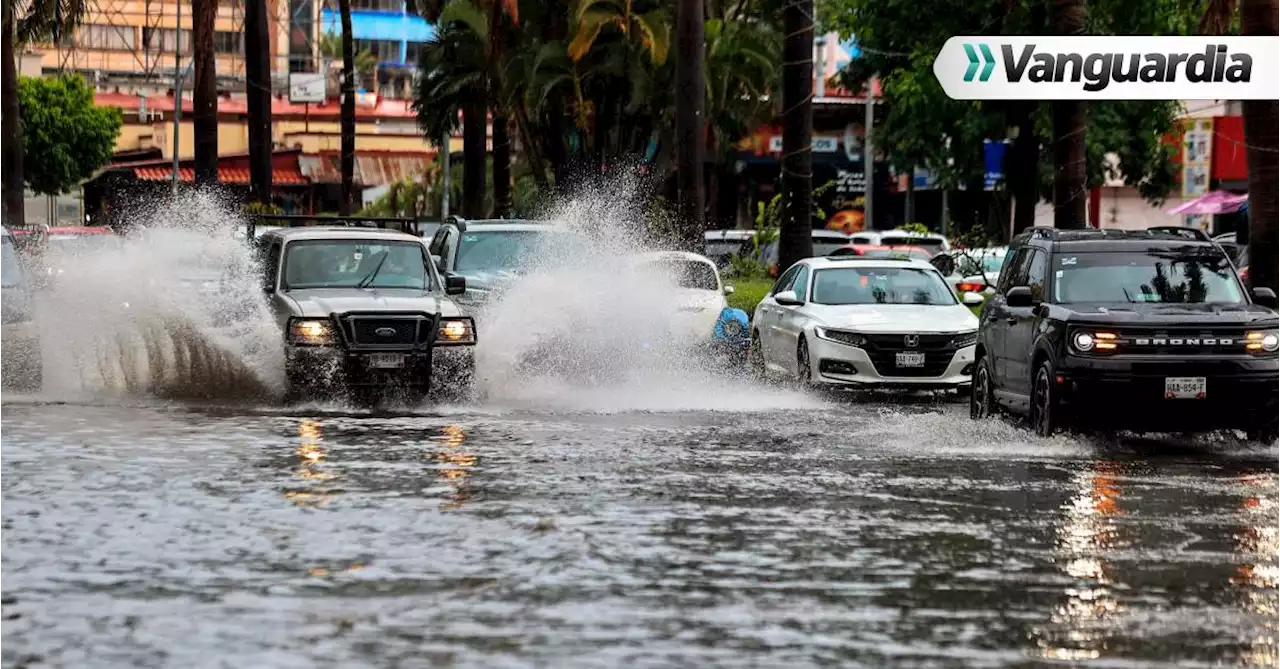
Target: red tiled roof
[(279, 106), (226, 175)]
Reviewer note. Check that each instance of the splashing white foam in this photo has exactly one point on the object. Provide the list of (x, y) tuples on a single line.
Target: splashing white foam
[(174, 311)]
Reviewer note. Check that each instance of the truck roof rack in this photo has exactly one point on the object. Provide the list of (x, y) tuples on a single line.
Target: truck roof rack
[(1181, 231)]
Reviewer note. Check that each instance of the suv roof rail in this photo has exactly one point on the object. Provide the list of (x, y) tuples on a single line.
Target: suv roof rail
[(1043, 232), (1182, 231)]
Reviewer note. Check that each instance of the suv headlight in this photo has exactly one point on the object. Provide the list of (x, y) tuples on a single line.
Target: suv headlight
[(846, 338), (456, 331), (1091, 341), (312, 332), (1261, 341)]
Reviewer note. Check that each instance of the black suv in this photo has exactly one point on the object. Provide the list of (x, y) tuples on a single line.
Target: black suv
[(1147, 330)]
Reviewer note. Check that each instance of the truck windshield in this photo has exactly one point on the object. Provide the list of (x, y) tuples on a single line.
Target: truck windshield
[(1180, 276), (9, 265), (481, 251), (355, 263), (880, 285)]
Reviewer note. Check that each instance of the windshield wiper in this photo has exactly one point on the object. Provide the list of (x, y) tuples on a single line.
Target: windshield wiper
[(373, 273)]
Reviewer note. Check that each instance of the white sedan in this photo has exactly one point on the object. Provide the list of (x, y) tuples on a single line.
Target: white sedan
[(697, 294), (853, 321)]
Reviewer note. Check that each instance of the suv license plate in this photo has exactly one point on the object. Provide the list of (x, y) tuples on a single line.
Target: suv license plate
[(386, 360), (1184, 387), (910, 359)]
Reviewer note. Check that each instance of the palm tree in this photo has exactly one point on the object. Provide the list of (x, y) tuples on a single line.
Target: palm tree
[(795, 239), (204, 126), (366, 63), (1070, 189), (691, 127), (258, 82), (348, 112)]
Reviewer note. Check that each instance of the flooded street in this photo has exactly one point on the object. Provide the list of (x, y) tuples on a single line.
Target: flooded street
[(816, 532)]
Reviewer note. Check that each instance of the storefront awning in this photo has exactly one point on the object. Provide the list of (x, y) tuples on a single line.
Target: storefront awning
[(226, 175)]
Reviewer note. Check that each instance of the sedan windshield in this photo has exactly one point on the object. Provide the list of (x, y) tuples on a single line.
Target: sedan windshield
[(9, 265), (355, 263), (687, 273), (880, 285), (1178, 276)]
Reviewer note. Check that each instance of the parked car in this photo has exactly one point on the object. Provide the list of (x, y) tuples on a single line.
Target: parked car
[(972, 270), (869, 251), (864, 322), (21, 365), (824, 242), (363, 310), (722, 245), (703, 317), (933, 242), (1147, 330)]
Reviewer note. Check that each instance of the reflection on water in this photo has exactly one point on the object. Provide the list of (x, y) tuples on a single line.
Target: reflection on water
[(1081, 625), (1256, 580), (312, 466), (454, 465)]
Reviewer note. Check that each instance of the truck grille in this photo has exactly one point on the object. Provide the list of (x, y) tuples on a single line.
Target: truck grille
[(383, 331), (1180, 341), (882, 349)]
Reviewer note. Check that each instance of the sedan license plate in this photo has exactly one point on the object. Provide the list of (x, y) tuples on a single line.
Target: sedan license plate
[(386, 360), (1184, 387), (910, 359)]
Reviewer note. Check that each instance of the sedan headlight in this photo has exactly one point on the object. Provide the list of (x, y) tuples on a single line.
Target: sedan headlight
[(965, 339), (846, 338), (1261, 341), (456, 331), (312, 332)]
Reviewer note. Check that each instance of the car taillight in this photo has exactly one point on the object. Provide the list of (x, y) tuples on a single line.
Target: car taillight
[(965, 287)]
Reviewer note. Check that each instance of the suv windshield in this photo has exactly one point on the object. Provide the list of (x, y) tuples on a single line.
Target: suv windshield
[(487, 251), (1179, 276), (880, 285), (355, 263), (9, 265), (686, 273)]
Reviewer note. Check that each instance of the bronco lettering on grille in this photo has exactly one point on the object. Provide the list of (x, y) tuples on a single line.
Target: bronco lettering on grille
[(1190, 341)]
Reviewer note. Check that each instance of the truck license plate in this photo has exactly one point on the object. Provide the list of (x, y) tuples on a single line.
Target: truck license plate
[(910, 359), (1184, 387), (386, 360)]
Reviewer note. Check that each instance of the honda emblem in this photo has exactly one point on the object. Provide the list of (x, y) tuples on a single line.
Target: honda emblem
[(911, 340)]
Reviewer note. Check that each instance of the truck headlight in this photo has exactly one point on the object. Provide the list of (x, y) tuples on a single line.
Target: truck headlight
[(1261, 341), (312, 332), (456, 331)]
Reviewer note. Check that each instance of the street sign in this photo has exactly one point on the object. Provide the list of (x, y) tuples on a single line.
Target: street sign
[(306, 87)]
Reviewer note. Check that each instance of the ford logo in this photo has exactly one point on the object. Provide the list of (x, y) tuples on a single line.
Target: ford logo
[(385, 332)]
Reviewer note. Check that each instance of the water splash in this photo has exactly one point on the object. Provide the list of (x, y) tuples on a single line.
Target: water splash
[(585, 328), (174, 311)]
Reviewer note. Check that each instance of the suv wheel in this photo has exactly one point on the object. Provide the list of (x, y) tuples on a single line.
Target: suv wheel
[(982, 396), (1043, 412)]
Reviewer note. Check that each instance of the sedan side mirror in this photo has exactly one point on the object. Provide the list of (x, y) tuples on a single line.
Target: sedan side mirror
[(455, 285), (1019, 296), (728, 290), (788, 298), (1264, 296), (971, 299)]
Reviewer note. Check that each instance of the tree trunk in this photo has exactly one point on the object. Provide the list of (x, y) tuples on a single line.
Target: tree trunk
[(1070, 188), (532, 151), (348, 112), (501, 167), (258, 82), (204, 95), (1022, 167), (1258, 17), (14, 200), (795, 239), (909, 201), (473, 154), (691, 138)]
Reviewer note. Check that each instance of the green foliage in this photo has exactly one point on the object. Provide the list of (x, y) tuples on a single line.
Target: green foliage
[(747, 292), (915, 228), (65, 138), (330, 45), (900, 48), (259, 209)]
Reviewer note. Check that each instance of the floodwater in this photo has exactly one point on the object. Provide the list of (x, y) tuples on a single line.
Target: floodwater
[(754, 529)]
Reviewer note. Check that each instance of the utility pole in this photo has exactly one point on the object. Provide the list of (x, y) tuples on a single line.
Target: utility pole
[(177, 93), (869, 160)]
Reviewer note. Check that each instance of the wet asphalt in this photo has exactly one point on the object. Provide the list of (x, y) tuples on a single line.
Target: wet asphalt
[(819, 532)]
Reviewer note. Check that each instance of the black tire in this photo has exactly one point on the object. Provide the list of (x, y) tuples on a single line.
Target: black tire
[(1266, 433), (1044, 413), (755, 358), (982, 400), (804, 365)]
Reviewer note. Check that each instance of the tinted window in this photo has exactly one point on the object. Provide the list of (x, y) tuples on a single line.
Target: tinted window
[(351, 263), (1014, 272), (1156, 276), (801, 284), (1038, 274), (784, 281), (880, 285), (687, 273), (9, 264), (488, 251)]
